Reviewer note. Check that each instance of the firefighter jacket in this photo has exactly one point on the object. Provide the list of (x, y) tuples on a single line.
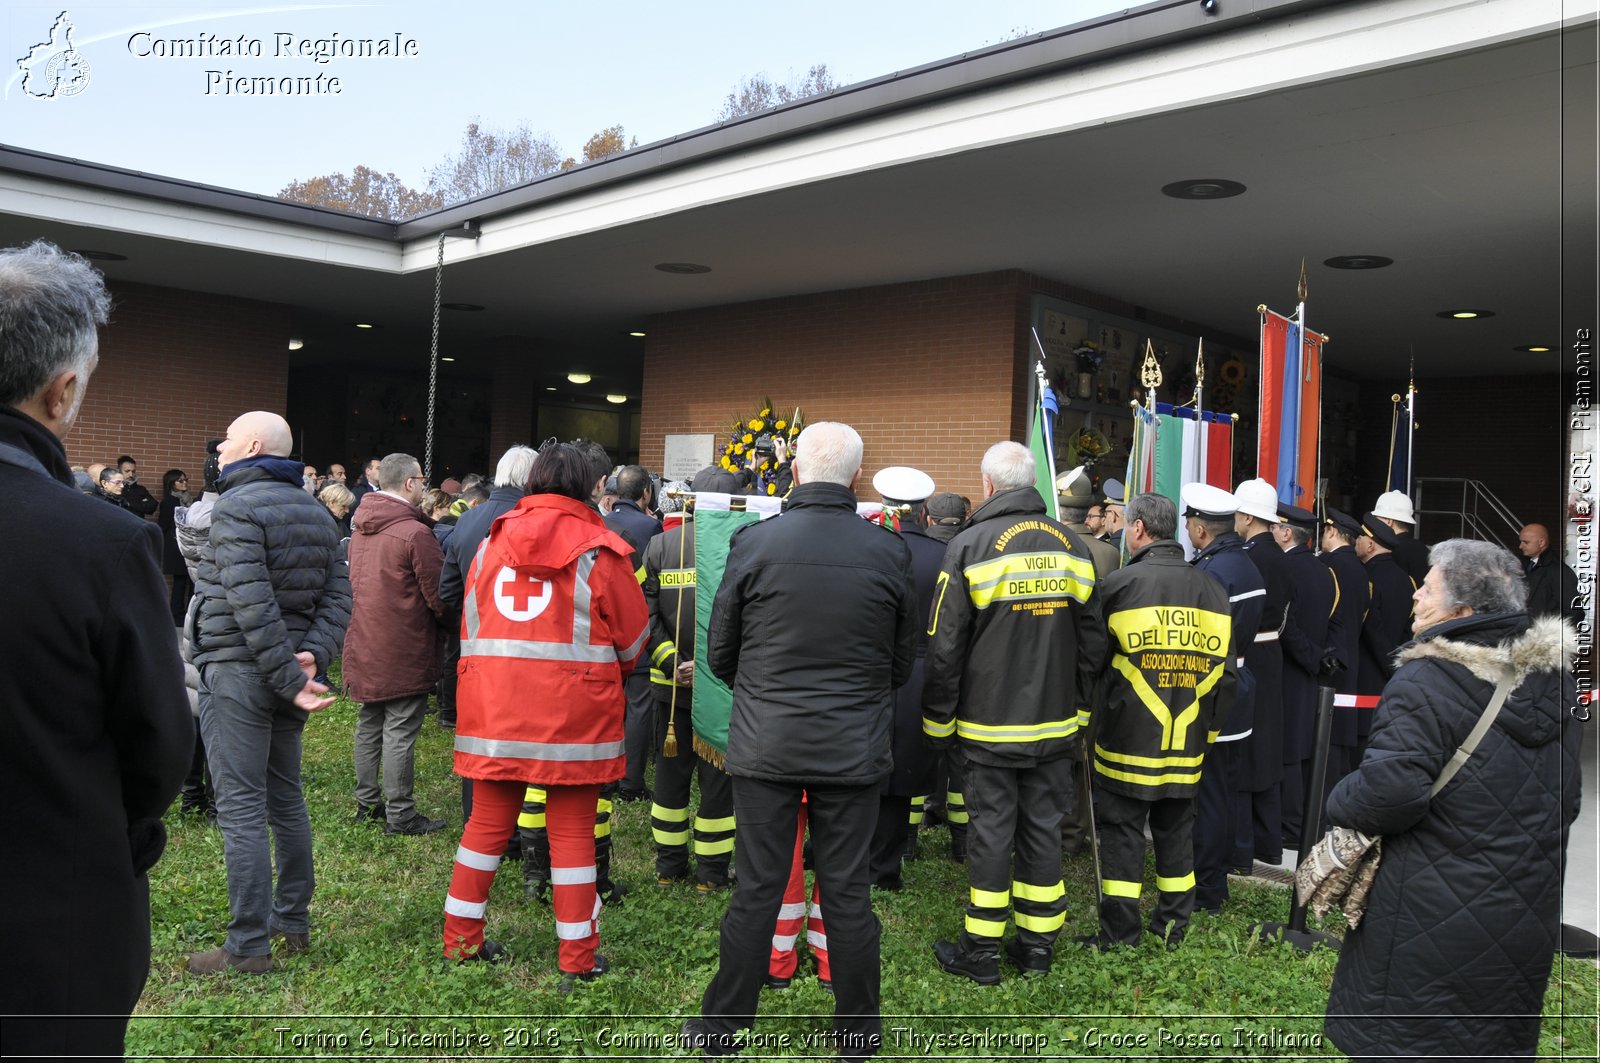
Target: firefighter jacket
[(669, 584), (552, 623), (1016, 636), (1172, 675)]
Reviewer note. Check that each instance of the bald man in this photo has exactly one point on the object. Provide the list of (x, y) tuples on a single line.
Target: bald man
[(1552, 585), (273, 601)]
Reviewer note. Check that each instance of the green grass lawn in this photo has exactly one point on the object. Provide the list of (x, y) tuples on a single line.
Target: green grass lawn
[(373, 983)]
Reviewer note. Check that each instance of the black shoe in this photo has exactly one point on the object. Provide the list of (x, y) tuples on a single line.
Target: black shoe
[(611, 894), (1091, 942), (958, 849), (534, 889), (912, 850), (630, 796), (774, 982), (490, 952), (826, 984), (696, 1038), (570, 980), (1030, 960), (892, 884), (985, 970), (417, 824), (369, 814), (448, 725)]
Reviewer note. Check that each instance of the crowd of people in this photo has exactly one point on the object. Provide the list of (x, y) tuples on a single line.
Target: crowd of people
[(1139, 665)]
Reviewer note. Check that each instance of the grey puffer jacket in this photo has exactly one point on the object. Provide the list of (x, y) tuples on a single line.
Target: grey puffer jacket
[(1454, 953), (274, 584), (192, 530)]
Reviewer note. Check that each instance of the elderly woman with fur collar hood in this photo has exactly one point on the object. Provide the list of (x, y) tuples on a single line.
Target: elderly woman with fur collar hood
[(1454, 953)]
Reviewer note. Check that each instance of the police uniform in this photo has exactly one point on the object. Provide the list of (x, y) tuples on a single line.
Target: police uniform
[(1222, 805), (1388, 625), (1015, 644), (669, 592), (1168, 689), (1313, 593), (1410, 553), (1344, 638), (908, 782), (1074, 491), (1262, 772)]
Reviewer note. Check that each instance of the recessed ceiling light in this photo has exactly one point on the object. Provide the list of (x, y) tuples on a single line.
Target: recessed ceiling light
[(1202, 188), (99, 256), (445, 358), (468, 307), (579, 378), (363, 324), (617, 398), (682, 267), (549, 389), (1464, 315), (295, 345), (1535, 348), (1357, 262), (638, 334)]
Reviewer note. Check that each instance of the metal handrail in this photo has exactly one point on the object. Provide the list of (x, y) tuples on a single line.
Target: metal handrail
[(1479, 512)]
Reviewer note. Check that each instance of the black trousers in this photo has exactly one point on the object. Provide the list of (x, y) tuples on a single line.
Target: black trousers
[(638, 725), (534, 838), (1121, 823), (447, 679), (889, 838), (1014, 853), (1266, 823), (841, 819), (670, 823), (1217, 814), (1079, 821)]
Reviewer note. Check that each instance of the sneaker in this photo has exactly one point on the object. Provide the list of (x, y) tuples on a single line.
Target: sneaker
[(984, 970), (370, 813), (570, 979), (417, 824), (490, 952), (666, 882), (293, 943), (220, 959), (1030, 960)]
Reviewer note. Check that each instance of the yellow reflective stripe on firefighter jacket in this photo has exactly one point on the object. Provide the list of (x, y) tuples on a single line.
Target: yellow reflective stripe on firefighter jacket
[(1015, 635), (669, 587), (1172, 674)]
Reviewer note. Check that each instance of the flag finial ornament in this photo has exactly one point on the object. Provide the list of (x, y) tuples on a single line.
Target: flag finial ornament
[(1300, 289), (1150, 370)]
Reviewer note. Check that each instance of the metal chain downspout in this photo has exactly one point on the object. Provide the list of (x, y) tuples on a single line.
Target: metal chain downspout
[(433, 363)]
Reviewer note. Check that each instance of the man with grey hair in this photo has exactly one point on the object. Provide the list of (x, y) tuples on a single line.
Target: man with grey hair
[(814, 626), (97, 731), (1167, 693), (1015, 643), (392, 654), (271, 605)]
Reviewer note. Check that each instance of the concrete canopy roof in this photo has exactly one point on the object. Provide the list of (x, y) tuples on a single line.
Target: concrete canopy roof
[(1456, 138)]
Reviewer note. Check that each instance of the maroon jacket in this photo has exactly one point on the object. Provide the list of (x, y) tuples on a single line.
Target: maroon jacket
[(393, 648)]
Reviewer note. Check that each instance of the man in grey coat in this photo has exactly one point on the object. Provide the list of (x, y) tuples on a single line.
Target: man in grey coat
[(273, 602)]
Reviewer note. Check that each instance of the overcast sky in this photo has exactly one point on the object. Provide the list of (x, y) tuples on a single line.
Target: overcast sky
[(567, 69)]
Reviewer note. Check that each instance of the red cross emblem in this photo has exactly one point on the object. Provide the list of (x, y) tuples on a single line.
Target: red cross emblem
[(520, 596)]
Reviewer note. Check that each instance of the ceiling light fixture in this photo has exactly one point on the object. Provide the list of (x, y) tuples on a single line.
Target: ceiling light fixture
[(579, 378), (1202, 188), (1464, 315), (363, 324), (619, 399), (1357, 262), (549, 389), (445, 358), (640, 335), (682, 267), (295, 345), (466, 307), (1535, 348)]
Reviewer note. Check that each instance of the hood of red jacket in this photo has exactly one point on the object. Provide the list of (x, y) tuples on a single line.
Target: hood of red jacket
[(379, 511), (553, 531)]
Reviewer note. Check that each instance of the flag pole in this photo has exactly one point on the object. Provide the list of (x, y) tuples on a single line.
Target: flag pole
[(1261, 372), (1411, 423)]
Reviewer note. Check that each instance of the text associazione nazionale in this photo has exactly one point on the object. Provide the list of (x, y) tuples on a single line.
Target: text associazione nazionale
[(224, 80)]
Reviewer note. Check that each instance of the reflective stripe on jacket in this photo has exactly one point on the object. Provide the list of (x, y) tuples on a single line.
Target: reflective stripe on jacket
[(552, 623)]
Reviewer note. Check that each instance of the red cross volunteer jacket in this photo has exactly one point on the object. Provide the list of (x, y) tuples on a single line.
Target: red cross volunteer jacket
[(552, 623)]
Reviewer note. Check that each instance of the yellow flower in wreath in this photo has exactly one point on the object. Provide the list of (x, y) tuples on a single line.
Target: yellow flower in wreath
[(772, 489), (738, 448), (747, 438), (756, 425), (765, 412), (780, 424)]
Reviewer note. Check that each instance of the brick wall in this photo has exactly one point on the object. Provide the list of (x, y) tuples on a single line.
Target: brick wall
[(924, 371), (1507, 431), (176, 367)]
